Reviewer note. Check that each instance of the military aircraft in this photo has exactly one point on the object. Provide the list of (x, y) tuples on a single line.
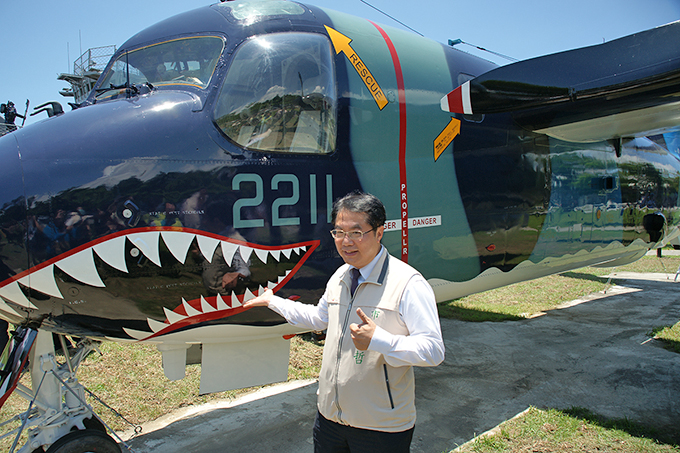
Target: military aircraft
[(203, 166)]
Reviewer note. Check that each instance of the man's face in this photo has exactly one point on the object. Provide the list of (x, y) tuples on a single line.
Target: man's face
[(357, 253)]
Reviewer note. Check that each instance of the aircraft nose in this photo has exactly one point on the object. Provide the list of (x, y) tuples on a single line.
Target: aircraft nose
[(12, 202), (13, 220)]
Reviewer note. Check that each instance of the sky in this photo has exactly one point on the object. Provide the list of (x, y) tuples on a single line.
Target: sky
[(42, 38)]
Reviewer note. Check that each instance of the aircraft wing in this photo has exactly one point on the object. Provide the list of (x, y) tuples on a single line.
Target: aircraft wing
[(624, 88)]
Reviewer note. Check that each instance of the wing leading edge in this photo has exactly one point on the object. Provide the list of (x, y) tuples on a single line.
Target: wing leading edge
[(624, 88)]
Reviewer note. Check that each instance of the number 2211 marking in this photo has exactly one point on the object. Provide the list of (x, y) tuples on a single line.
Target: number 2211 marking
[(280, 180)]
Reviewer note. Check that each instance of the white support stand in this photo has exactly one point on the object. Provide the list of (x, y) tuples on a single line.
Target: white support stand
[(59, 413)]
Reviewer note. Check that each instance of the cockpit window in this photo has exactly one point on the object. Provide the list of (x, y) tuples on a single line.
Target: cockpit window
[(279, 95), (186, 61), (251, 10)]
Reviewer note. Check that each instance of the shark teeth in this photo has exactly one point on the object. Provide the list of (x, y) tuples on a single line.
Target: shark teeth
[(80, 264), (206, 311)]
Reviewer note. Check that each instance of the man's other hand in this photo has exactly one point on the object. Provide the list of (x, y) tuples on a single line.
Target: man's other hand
[(362, 333)]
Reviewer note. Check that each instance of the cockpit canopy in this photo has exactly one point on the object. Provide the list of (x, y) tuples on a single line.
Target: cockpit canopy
[(277, 89), (279, 94), (185, 61)]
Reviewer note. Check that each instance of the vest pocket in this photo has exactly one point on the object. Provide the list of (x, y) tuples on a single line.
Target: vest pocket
[(387, 383)]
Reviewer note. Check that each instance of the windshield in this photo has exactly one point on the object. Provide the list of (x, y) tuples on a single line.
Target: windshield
[(279, 95), (186, 61)]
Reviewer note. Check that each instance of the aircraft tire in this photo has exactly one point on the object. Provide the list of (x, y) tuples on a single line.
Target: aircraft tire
[(85, 441)]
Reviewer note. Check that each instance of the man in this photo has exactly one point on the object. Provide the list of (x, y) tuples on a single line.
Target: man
[(10, 112), (376, 332)]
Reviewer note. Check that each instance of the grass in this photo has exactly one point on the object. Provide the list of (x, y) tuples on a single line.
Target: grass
[(526, 299), (575, 429), (141, 392), (670, 335), (567, 431)]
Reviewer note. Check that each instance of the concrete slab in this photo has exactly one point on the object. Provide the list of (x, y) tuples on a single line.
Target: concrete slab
[(595, 354)]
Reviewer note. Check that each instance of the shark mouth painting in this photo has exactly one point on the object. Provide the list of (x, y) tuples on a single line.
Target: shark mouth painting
[(161, 247)]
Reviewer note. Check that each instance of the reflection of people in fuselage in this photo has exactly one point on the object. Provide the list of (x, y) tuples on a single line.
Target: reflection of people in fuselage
[(57, 233), (191, 209), (220, 276), (165, 215)]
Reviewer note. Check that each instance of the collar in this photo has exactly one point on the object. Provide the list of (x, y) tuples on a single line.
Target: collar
[(367, 269)]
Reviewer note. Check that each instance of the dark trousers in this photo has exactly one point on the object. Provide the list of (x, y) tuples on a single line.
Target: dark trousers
[(331, 437)]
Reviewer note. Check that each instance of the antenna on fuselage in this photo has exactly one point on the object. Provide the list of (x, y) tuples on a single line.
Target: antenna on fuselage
[(453, 42), (396, 20)]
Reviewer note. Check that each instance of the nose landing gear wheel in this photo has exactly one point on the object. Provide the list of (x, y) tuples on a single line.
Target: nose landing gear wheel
[(85, 441)]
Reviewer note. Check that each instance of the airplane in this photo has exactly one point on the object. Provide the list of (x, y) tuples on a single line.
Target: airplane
[(203, 166)]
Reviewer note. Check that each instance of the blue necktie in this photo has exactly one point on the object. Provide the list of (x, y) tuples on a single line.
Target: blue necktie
[(355, 280)]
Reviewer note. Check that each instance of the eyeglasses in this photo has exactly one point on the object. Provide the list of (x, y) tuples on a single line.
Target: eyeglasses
[(356, 235)]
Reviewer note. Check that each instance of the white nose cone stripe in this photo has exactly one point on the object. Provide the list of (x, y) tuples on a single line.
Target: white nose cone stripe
[(458, 101)]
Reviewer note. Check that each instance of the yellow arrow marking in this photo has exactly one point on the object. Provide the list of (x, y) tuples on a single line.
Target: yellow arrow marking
[(445, 138), (341, 44)]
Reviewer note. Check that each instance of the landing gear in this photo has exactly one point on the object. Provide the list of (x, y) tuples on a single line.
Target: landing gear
[(59, 420), (85, 441)]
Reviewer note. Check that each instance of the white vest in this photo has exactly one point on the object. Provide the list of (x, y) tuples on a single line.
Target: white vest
[(358, 388)]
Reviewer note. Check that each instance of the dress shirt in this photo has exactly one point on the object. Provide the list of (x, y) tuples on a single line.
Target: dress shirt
[(418, 310)]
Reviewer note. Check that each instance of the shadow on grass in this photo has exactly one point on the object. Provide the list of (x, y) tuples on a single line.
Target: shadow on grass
[(449, 310), (669, 344), (470, 315), (585, 276), (669, 435)]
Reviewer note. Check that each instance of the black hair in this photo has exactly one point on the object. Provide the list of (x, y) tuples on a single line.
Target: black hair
[(361, 202)]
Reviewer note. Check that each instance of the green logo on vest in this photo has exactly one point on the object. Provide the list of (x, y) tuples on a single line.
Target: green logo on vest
[(359, 357), (375, 314)]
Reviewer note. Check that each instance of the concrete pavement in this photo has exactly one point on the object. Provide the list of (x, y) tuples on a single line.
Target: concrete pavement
[(594, 353)]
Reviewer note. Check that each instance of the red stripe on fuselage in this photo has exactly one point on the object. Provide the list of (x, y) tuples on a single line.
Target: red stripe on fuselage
[(403, 188)]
